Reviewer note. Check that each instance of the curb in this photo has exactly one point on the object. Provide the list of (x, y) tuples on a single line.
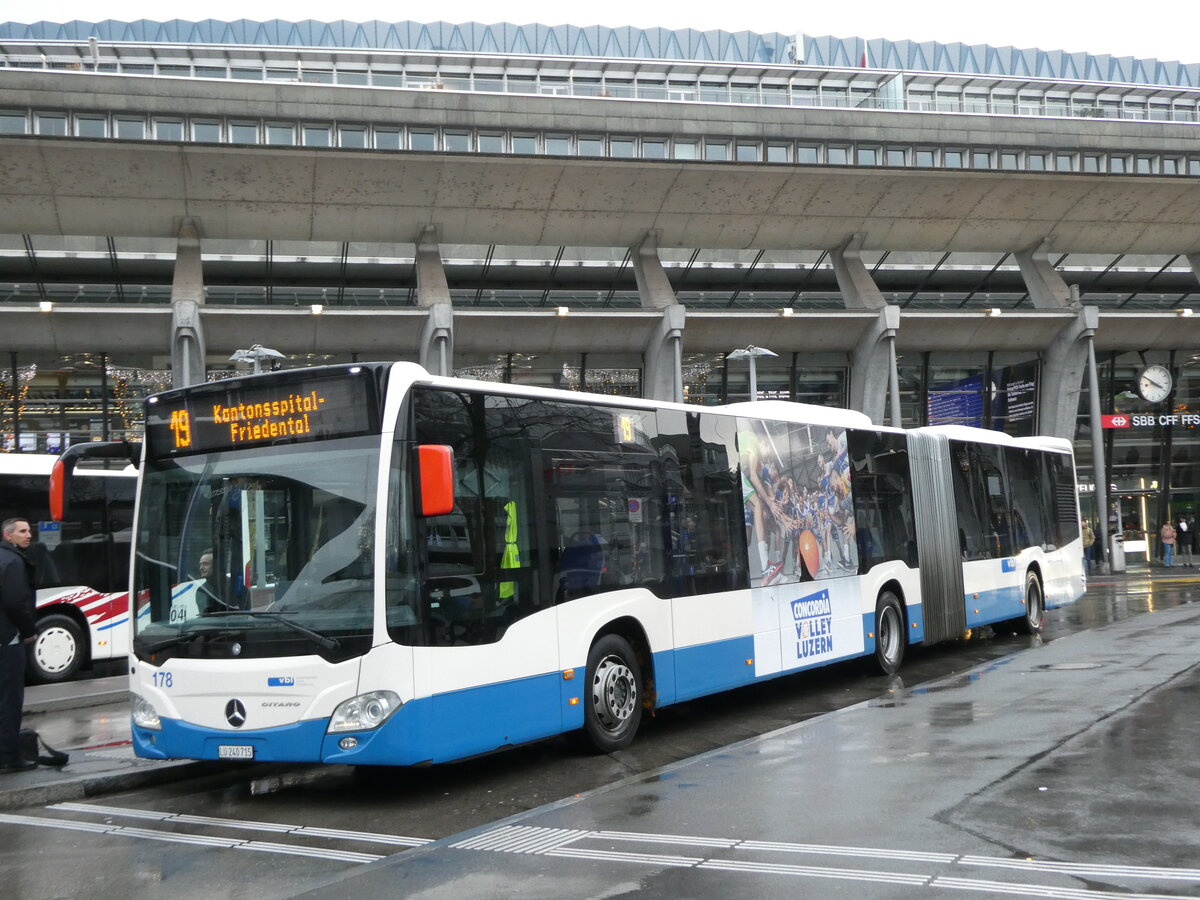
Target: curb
[(56, 704), (83, 786)]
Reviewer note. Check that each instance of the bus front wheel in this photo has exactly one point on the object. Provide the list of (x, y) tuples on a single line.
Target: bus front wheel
[(613, 704), (1035, 607), (889, 633), (57, 651)]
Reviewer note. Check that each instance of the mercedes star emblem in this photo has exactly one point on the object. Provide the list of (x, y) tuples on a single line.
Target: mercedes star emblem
[(235, 713)]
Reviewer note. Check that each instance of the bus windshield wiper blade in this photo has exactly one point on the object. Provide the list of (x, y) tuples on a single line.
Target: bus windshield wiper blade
[(172, 641), (321, 640)]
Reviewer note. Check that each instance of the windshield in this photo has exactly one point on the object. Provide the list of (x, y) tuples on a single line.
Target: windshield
[(262, 552)]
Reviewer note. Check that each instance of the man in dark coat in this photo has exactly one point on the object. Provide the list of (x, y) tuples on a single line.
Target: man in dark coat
[(17, 623)]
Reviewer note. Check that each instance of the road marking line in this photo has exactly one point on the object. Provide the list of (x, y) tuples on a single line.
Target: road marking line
[(1070, 868), (666, 838), (243, 824), (833, 850), (737, 865), (522, 839), (1040, 890), (615, 856), (197, 840)]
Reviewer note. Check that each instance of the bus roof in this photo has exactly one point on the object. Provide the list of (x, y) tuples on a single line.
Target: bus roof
[(985, 436), (43, 464)]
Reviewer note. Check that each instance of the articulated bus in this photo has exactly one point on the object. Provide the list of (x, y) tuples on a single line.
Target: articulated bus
[(369, 565), (82, 562)]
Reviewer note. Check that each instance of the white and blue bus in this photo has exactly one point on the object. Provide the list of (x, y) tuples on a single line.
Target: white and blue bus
[(370, 565)]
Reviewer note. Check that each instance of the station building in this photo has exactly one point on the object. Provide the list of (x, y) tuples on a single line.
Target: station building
[(930, 233)]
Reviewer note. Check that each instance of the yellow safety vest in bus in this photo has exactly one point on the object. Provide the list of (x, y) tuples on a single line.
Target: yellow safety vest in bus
[(512, 556)]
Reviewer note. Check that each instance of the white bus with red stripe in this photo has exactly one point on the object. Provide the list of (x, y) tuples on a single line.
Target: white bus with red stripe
[(83, 562)]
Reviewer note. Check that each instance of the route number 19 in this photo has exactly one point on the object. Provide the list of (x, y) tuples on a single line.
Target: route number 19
[(181, 427)]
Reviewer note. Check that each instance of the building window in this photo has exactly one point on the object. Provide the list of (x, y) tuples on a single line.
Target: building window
[(457, 142), (1035, 162), (749, 153), (279, 135), (491, 143), (777, 153), (91, 126), (422, 140), (558, 145), (1009, 160), (868, 156), (952, 159), (654, 148), (206, 132), (246, 74), (355, 138), (1146, 165), (12, 123), (1118, 164), (315, 135), (52, 124), (131, 129), (211, 72), (715, 151), (243, 133), (356, 76), (387, 139), (926, 158), (1064, 162), (686, 150), (621, 148), (525, 144), (981, 159), (167, 130), (1091, 162), (837, 156), (1170, 166), (807, 155), (591, 146), (897, 156)]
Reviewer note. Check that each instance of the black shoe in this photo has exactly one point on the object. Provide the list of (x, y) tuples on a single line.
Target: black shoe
[(23, 766)]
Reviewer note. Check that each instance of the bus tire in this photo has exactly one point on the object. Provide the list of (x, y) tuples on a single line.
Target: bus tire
[(57, 652), (889, 634), (1035, 607), (613, 703)]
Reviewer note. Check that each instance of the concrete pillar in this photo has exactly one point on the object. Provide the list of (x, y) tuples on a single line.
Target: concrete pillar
[(858, 288), (188, 348), (437, 340), (1046, 287), (873, 377), (662, 370), (1063, 366), (653, 286), (431, 275)]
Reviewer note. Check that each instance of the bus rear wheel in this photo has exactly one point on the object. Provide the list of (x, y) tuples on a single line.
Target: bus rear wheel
[(889, 634), (1035, 607), (57, 651), (613, 704)]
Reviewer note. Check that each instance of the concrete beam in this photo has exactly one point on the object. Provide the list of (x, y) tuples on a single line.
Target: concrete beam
[(653, 286), (437, 340), (663, 357), (188, 347), (1046, 287), (1064, 365), (432, 287), (873, 374), (858, 288)]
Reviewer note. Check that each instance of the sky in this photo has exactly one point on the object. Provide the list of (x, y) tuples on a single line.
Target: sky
[(1164, 29)]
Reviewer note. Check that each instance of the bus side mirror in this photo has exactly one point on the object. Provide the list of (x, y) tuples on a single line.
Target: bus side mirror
[(435, 469), (64, 468)]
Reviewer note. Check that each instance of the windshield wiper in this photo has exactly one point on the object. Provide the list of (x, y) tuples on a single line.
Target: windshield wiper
[(184, 638), (321, 640)]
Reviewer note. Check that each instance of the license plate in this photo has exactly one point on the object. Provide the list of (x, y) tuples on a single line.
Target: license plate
[(235, 751)]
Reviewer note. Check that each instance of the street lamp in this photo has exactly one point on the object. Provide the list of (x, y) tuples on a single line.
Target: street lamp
[(751, 353), (255, 356)]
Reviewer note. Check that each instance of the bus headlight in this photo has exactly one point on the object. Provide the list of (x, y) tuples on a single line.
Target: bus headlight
[(364, 712), (144, 715)]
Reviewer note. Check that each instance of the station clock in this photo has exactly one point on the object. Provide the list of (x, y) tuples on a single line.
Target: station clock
[(1154, 383)]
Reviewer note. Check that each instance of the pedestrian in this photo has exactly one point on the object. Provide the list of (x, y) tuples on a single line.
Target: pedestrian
[(17, 600), (1167, 535), (1185, 540), (1089, 538)]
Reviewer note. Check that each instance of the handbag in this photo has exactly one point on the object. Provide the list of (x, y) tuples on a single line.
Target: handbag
[(34, 747)]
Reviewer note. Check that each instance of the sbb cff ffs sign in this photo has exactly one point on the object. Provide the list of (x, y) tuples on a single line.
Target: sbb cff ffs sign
[(1126, 420)]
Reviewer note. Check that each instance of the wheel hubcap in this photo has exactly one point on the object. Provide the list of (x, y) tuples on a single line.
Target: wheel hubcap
[(54, 650), (614, 693), (889, 633)]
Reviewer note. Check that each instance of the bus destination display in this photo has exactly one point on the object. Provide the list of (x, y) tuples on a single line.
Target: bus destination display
[(246, 416)]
